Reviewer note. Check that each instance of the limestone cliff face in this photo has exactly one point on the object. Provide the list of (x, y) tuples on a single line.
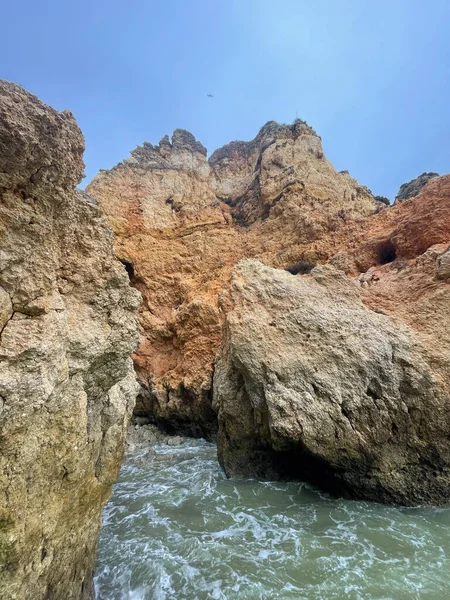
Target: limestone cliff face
[(175, 238), (394, 236), (67, 329), (339, 376), (182, 223), (312, 384)]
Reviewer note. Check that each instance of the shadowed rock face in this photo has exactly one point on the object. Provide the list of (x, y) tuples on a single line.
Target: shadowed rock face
[(413, 187), (67, 329), (311, 384), (182, 223)]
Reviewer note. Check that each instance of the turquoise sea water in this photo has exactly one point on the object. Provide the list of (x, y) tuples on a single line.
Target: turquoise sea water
[(177, 529)]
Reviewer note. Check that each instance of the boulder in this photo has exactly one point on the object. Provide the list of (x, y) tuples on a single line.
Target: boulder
[(310, 384)]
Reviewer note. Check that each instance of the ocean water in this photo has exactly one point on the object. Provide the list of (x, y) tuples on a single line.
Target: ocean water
[(176, 528)]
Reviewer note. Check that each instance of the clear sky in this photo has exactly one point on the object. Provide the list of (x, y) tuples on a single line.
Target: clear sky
[(373, 78)]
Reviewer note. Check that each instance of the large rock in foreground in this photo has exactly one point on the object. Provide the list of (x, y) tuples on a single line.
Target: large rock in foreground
[(311, 384), (67, 329)]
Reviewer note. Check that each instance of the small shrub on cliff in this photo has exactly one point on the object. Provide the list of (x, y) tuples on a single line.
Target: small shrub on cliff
[(300, 268), (383, 199)]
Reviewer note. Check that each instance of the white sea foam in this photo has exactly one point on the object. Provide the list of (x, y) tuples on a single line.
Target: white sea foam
[(176, 529)]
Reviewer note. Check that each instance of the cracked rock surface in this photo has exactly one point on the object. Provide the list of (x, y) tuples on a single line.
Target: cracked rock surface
[(312, 384), (67, 385)]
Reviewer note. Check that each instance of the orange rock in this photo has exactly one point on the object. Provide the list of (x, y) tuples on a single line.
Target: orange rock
[(182, 222)]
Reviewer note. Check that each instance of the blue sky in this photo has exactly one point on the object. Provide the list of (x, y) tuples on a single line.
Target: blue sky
[(373, 78)]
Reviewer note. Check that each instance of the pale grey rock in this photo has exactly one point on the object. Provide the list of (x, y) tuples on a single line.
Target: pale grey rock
[(67, 384), (443, 266), (310, 384)]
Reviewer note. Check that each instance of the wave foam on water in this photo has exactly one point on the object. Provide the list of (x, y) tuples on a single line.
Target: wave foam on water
[(176, 528)]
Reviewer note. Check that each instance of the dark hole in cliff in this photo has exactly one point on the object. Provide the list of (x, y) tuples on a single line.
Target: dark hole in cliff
[(128, 268), (372, 393), (134, 279), (300, 465), (300, 268), (387, 252), (345, 412)]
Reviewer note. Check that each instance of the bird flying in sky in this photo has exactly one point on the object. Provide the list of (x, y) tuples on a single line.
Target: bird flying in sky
[(210, 95)]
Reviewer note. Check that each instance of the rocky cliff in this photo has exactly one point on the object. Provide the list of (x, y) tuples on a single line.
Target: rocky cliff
[(343, 381), (338, 373), (181, 224), (67, 329)]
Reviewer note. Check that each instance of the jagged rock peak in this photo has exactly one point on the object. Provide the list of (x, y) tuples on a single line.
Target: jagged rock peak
[(413, 187), (156, 155), (162, 155), (266, 136), (184, 140)]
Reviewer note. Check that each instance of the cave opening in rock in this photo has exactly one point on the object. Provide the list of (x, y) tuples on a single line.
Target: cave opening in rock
[(294, 464), (387, 252), (301, 465), (129, 269)]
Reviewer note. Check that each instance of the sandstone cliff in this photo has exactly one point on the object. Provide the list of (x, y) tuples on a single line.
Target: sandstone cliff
[(376, 427), (338, 377), (67, 328), (182, 222), (311, 384), (396, 235)]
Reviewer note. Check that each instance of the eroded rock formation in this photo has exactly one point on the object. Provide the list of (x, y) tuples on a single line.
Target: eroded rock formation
[(337, 374), (397, 235), (67, 385), (181, 224), (413, 187), (312, 384)]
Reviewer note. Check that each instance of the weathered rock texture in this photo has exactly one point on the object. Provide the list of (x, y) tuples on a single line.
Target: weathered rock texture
[(413, 187), (182, 223), (312, 384), (339, 376), (67, 328), (396, 235)]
